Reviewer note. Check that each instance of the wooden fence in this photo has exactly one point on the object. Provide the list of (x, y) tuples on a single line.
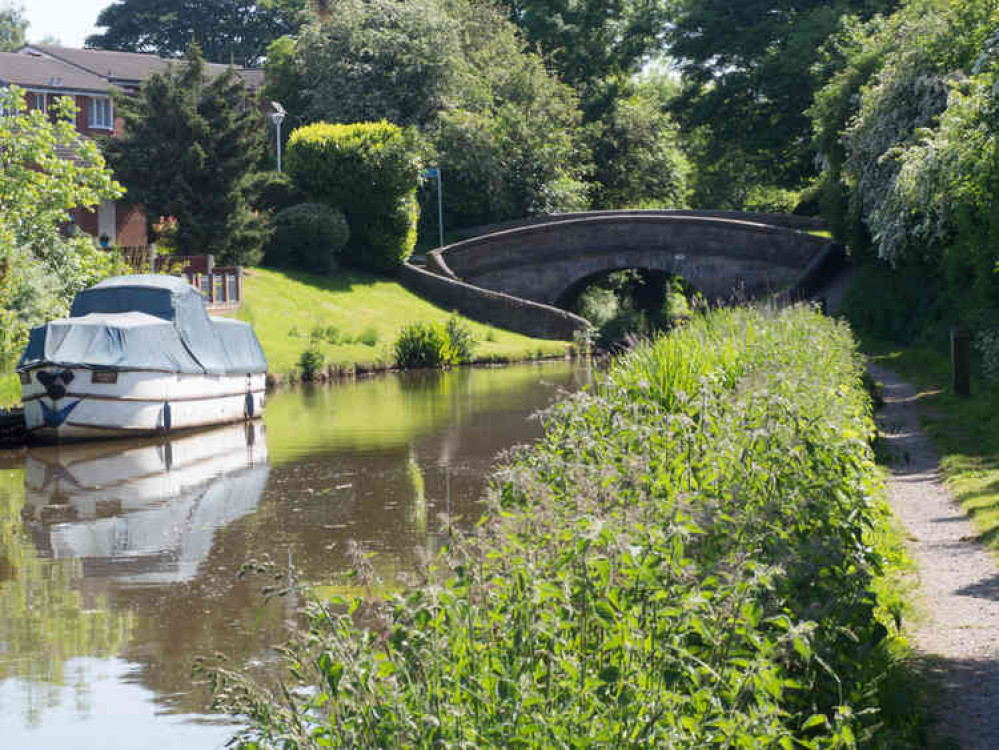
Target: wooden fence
[(221, 286)]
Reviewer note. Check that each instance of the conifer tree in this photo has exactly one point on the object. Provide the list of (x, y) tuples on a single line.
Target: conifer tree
[(190, 141)]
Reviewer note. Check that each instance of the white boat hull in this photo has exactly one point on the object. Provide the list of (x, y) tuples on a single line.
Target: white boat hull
[(137, 403)]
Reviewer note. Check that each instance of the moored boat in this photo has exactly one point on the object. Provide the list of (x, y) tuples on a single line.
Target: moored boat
[(139, 355)]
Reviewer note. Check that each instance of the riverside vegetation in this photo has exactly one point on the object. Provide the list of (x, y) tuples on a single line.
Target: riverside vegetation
[(688, 557)]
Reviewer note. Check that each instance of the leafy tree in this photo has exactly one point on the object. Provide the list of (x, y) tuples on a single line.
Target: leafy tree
[(889, 90), (750, 78), (593, 44), (638, 155), (227, 31), (13, 26), (42, 263), (504, 131), (190, 143)]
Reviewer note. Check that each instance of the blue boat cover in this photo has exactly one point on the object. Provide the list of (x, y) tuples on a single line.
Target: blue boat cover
[(145, 323)]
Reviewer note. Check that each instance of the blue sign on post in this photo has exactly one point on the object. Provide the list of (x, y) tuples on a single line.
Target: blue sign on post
[(435, 172)]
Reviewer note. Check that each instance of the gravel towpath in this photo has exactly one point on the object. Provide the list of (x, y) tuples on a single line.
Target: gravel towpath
[(958, 577)]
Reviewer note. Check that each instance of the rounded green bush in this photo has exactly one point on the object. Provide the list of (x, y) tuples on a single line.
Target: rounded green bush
[(422, 345), (369, 170), (434, 345), (309, 236)]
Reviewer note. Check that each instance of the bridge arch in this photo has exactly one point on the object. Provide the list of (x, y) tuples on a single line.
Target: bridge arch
[(722, 257)]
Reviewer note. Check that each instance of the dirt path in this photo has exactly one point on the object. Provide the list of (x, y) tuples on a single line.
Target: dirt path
[(959, 578)]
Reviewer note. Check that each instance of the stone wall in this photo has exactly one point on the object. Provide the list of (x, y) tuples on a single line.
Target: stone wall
[(492, 308)]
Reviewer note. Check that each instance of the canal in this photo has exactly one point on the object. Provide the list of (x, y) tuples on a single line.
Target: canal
[(120, 561)]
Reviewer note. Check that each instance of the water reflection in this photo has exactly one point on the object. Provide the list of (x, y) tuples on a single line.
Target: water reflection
[(146, 514), (127, 553)]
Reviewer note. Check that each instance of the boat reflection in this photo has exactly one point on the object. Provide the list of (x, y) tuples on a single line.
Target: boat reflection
[(147, 514)]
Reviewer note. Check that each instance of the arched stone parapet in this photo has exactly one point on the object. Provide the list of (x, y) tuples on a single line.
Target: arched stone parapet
[(723, 258)]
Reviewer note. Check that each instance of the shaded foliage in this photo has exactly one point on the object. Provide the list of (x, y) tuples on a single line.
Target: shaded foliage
[(502, 129), (309, 236), (189, 144), (236, 32), (638, 153), (593, 44), (907, 131), (750, 75)]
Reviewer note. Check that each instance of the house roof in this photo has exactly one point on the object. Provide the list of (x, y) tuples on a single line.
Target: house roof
[(127, 68), (45, 73)]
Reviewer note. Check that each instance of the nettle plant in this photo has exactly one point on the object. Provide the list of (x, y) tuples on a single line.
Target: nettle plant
[(681, 560)]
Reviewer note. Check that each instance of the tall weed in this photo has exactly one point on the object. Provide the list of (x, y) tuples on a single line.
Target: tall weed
[(681, 561)]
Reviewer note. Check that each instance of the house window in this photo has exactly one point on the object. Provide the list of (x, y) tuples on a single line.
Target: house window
[(40, 103), (100, 113), (4, 109)]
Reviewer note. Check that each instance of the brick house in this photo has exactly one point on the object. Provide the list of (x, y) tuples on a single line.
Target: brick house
[(90, 76)]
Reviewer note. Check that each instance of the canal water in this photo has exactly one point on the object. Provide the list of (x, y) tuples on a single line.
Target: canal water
[(119, 561)]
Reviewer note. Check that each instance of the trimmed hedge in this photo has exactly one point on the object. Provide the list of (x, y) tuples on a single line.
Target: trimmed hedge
[(370, 171), (309, 236)]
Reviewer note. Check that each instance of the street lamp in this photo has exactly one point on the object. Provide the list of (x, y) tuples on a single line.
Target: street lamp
[(278, 117)]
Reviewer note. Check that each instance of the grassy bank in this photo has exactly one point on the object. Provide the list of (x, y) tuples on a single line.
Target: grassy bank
[(964, 430), (689, 557), (10, 391), (359, 316)]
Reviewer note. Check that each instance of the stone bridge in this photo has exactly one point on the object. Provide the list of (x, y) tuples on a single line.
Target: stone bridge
[(546, 262), (542, 264)]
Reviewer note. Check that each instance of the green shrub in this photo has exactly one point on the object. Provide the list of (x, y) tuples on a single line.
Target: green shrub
[(311, 363), (434, 345), (368, 337), (370, 171), (271, 191), (329, 334), (771, 199), (461, 342), (309, 236), (422, 345), (598, 305)]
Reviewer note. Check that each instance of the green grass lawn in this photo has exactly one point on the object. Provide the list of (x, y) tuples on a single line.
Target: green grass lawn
[(284, 307), (964, 430)]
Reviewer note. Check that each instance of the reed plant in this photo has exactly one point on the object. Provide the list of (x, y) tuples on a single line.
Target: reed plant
[(683, 560)]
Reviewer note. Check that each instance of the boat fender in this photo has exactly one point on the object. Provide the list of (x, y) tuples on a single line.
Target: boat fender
[(166, 416), (249, 406)]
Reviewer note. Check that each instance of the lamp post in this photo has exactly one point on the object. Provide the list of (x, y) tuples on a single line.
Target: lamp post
[(278, 117)]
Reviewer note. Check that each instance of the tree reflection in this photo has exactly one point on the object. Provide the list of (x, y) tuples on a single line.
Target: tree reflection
[(45, 618)]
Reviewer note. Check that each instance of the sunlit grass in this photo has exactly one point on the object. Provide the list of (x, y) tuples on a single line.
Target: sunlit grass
[(10, 390), (285, 307)]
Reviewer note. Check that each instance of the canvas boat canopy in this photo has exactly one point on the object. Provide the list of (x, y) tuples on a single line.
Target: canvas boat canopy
[(156, 323)]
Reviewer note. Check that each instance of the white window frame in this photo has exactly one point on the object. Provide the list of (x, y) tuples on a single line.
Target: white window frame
[(100, 113), (4, 110), (41, 102)]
